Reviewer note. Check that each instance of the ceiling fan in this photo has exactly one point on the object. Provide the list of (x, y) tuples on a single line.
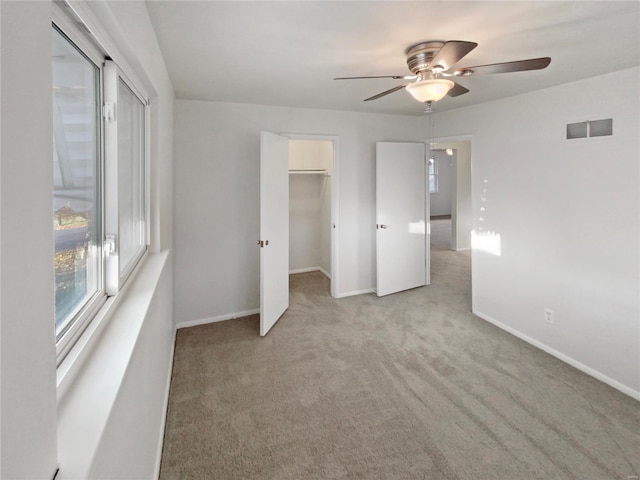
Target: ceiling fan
[(430, 61)]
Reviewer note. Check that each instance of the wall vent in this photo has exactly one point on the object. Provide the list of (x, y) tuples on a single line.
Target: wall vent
[(577, 130), (590, 128), (601, 128)]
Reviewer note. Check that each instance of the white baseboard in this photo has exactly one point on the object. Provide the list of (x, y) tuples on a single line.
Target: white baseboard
[(561, 356), (163, 422), (310, 269), (304, 270), (355, 292), (219, 318)]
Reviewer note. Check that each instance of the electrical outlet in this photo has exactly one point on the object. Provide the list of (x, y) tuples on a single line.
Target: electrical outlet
[(548, 315)]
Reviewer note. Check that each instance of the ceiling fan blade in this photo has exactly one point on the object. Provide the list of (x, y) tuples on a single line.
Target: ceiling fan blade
[(396, 77), (450, 53), (506, 67), (386, 92), (457, 90)]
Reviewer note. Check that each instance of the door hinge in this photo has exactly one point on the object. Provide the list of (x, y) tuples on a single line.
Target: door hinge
[(263, 243)]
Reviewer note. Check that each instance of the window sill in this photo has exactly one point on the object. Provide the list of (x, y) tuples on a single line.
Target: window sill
[(90, 376), (73, 361)]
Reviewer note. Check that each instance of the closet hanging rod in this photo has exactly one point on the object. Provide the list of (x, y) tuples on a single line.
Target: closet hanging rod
[(309, 172)]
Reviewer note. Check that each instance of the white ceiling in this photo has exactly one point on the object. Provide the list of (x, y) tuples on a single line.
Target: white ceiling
[(287, 53)]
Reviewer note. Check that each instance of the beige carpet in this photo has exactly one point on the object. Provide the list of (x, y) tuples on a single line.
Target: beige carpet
[(409, 386)]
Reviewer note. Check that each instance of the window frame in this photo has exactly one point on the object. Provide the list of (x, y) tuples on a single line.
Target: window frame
[(64, 21), (83, 314), (113, 76)]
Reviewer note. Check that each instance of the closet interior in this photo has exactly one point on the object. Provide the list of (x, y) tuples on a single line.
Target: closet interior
[(310, 170)]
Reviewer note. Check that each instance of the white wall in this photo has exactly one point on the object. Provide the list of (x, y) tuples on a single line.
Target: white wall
[(305, 195), (441, 200), (127, 443), (217, 205), (325, 227), (28, 402), (568, 215), (309, 227)]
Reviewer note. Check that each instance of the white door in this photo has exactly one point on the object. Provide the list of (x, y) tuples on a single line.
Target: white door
[(402, 207), (274, 229)]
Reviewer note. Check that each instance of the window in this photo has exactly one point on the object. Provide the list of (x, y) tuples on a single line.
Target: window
[(76, 195), (125, 154), (130, 177), (433, 175), (99, 197)]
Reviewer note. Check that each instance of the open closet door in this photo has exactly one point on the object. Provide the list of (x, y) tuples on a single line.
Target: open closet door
[(274, 229), (402, 216)]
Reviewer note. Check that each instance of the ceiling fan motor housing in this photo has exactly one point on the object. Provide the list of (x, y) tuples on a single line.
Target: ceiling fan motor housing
[(420, 56)]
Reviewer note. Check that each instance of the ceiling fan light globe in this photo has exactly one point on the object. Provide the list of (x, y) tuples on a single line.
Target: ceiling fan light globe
[(430, 90)]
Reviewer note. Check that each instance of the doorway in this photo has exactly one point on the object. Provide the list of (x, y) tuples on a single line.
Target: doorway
[(451, 233), (441, 174), (274, 219), (453, 196), (312, 206)]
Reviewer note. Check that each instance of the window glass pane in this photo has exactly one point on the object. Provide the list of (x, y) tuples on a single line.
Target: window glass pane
[(433, 176), (131, 206), (76, 194)]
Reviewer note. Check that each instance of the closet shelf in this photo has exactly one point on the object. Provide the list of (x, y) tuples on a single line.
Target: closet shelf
[(309, 172)]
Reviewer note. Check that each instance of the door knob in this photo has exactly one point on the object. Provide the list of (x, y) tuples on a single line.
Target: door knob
[(383, 226)]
